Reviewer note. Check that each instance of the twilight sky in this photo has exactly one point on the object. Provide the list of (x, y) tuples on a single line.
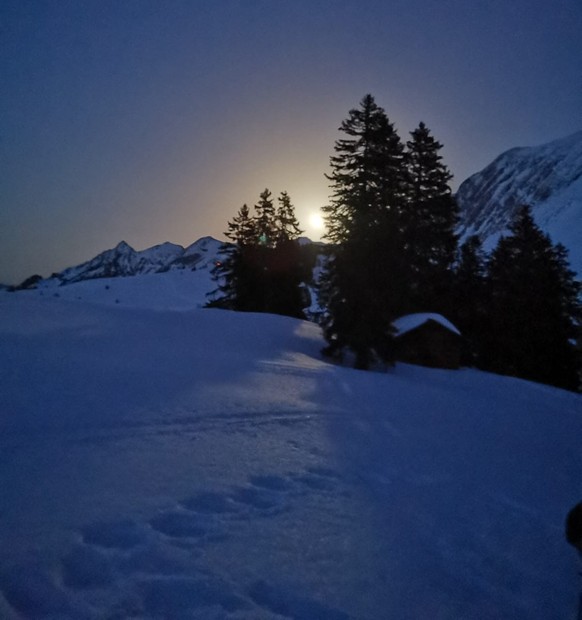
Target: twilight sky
[(155, 120)]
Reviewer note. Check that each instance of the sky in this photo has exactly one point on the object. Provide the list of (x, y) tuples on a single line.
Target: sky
[(151, 121)]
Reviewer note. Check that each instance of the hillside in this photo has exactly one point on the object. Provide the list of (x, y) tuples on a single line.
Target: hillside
[(209, 464), (546, 177)]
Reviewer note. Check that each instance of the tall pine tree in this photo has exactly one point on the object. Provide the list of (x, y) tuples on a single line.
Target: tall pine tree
[(468, 312), (286, 224), (428, 224), (265, 220), (234, 272), (362, 283), (286, 271)]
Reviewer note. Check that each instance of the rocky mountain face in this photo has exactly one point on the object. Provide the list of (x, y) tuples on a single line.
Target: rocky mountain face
[(123, 260), (547, 177)]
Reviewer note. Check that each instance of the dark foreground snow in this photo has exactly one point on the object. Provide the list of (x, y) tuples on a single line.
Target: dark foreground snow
[(207, 464)]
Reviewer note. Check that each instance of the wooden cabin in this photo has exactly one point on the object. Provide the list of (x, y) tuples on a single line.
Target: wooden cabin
[(427, 339)]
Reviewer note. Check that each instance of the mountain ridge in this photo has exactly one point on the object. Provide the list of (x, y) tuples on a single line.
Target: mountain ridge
[(547, 177), (123, 261)]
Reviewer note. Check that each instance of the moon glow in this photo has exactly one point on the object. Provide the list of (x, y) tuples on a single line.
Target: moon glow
[(316, 221)]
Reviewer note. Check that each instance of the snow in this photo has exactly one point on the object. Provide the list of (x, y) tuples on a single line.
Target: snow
[(162, 254), (204, 244), (163, 463), (546, 177), (177, 290), (409, 322)]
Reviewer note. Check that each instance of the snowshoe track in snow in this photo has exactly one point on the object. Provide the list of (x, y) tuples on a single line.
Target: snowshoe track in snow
[(155, 568)]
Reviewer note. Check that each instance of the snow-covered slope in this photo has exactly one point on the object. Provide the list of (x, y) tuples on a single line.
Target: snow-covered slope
[(547, 177), (178, 289), (208, 464)]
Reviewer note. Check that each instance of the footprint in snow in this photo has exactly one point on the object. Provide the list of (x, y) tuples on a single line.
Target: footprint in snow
[(209, 503), (123, 534), (318, 479), (179, 524), (264, 501), (153, 568), (274, 483), (289, 604), (87, 567), (33, 594)]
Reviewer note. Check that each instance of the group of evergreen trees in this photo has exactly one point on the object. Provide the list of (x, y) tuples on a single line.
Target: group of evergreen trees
[(262, 269), (391, 220), (519, 309), (393, 250)]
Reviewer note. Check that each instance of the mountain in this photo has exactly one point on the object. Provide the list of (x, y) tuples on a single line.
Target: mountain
[(165, 276), (123, 260), (546, 177)]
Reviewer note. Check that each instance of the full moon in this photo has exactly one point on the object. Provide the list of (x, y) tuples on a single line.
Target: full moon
[(316, 221)]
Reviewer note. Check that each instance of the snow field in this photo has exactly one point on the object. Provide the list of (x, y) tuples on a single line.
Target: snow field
[(209, 464)]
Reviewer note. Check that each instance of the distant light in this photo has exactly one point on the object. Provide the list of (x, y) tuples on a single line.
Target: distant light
[(316, 221)]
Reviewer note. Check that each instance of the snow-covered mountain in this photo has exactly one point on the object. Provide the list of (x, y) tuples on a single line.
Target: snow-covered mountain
[(123, 260), (166, 276), (547, 177), (161, 277)]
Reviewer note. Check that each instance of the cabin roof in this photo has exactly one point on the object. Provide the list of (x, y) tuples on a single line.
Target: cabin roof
[(409, 322)]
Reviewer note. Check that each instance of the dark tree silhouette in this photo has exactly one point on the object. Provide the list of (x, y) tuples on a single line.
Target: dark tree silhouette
[(468, 310), (234, 272), (533, 308), (363, 279), (261, 269), (428, 222)]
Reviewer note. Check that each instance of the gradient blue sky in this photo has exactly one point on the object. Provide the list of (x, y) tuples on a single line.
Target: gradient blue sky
[(154, 121)]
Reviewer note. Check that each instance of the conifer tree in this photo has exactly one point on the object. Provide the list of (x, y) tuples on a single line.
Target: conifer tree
[(261, 270), (362, 283), (285, 268), (233, 272), (468, 312), (428, 223), (534, 309), (286, 224), (265, 222)]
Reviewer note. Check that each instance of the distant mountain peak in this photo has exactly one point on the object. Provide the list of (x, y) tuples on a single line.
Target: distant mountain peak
[(123, 260), (123, 246)]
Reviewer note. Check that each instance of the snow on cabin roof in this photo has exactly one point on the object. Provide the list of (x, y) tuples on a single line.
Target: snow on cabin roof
[(409, 322)]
